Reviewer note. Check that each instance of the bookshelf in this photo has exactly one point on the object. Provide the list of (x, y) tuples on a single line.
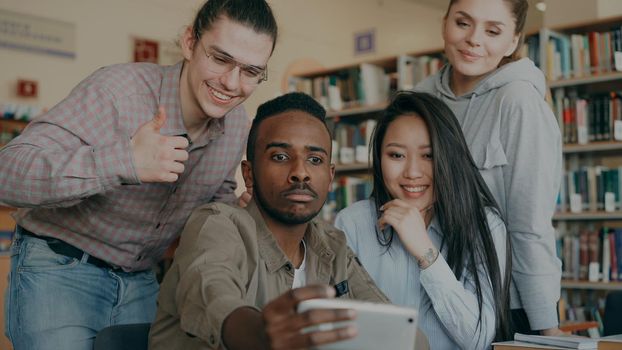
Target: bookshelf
[(354, 95), (596, 146), (10, 128), (583, 64)]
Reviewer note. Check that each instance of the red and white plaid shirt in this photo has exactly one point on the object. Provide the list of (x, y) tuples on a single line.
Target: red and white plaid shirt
[(72, 172)]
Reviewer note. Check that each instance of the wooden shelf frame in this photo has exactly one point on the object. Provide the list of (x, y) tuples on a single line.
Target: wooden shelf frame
[(597, 146), (341, 168), (588, 215), (356, 111), (579, 284), (592, 79)]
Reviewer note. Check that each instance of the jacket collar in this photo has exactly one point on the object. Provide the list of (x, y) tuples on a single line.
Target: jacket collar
[(319, 256)]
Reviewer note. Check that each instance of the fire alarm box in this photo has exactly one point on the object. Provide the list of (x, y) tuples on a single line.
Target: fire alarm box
[(27, 88)]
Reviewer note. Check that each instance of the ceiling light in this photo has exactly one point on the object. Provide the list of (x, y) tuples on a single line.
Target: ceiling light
[(541, 6)]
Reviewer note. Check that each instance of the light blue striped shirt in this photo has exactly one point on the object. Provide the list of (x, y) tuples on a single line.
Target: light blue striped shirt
[(448, 309)]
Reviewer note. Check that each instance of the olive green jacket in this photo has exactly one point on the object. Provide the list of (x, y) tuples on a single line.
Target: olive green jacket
[(228, 258)]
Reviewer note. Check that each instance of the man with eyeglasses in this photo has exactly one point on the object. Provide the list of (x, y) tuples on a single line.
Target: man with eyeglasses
[(106, 179)]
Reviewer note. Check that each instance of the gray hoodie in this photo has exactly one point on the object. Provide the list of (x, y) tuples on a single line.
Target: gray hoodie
[(515, 142)]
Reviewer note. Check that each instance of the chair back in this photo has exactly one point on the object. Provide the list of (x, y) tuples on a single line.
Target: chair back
[(612, 320), (123, 337)]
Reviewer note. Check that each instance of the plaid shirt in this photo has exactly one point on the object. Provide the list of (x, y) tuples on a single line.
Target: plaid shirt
[(72, 172)]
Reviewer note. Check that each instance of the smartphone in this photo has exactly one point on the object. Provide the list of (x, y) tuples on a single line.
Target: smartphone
[(380, 326)]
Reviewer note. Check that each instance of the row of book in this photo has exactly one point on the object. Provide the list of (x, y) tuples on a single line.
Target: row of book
[(581, 55), (588, 118), (351, 141), (413, 69), (592, 255), (531, 49), (7, 134), (345, 190), (365, 85), (17, 111), (591, 188)]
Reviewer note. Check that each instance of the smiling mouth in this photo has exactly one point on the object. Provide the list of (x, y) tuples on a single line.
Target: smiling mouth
[(415, 189), (219, 96)]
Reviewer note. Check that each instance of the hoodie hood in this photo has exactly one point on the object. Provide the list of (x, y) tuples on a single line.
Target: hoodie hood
[(521, 70)]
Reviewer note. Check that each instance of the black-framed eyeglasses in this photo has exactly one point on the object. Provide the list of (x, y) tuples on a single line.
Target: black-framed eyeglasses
[(220, 64)]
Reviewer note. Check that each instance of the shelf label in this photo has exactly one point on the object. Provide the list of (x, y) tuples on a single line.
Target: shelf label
[(618, 60), (610, 202), (575, 203), (617, 130), (346, 155), (593, 269)]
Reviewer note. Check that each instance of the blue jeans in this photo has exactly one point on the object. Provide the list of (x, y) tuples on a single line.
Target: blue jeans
[(57, 302)]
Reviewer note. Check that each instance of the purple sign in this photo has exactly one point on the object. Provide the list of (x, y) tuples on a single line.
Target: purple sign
[(365, 42)]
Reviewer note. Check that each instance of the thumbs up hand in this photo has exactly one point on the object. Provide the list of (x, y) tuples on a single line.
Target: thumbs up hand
[(158, 158)]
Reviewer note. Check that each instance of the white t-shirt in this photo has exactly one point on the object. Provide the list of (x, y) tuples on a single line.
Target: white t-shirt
[(300, 278)]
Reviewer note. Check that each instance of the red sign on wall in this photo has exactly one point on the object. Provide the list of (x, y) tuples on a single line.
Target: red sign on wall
[(145, 50), (27, 88)]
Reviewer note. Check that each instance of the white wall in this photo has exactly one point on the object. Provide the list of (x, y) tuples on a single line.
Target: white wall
[(103, 37), (567, 12), (609, 8), (560, 12)]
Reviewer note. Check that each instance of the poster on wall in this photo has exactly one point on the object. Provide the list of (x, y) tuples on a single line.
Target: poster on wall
[(156, 51), (365, 42), (37, 34)]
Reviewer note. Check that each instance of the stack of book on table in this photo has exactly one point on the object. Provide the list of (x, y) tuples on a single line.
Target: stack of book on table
[(524, 341)]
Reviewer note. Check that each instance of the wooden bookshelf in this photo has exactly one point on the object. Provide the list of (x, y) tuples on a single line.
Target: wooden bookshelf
[(594, 79), (599, 146), (578, 284), (351, 167), (357, 111), (579, 100), (14, 123), (589, 215)]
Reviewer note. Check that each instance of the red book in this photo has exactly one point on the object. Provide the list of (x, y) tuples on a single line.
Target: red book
[(594, 38)]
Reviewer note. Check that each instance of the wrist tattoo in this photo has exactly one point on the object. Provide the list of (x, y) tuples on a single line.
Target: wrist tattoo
[(428, 258)]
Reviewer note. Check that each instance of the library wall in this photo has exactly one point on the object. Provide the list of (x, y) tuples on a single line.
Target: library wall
[(562, 12), (608, 7), (103, 37)]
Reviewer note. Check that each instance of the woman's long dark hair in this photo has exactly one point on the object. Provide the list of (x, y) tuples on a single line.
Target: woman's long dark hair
[(461, 198)]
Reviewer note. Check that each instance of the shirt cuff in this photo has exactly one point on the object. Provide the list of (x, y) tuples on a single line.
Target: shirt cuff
[(437, 276), (115, 164), (542, 316), (209, 326)]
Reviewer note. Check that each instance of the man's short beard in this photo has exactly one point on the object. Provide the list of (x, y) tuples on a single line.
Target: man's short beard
[(285, 218)]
